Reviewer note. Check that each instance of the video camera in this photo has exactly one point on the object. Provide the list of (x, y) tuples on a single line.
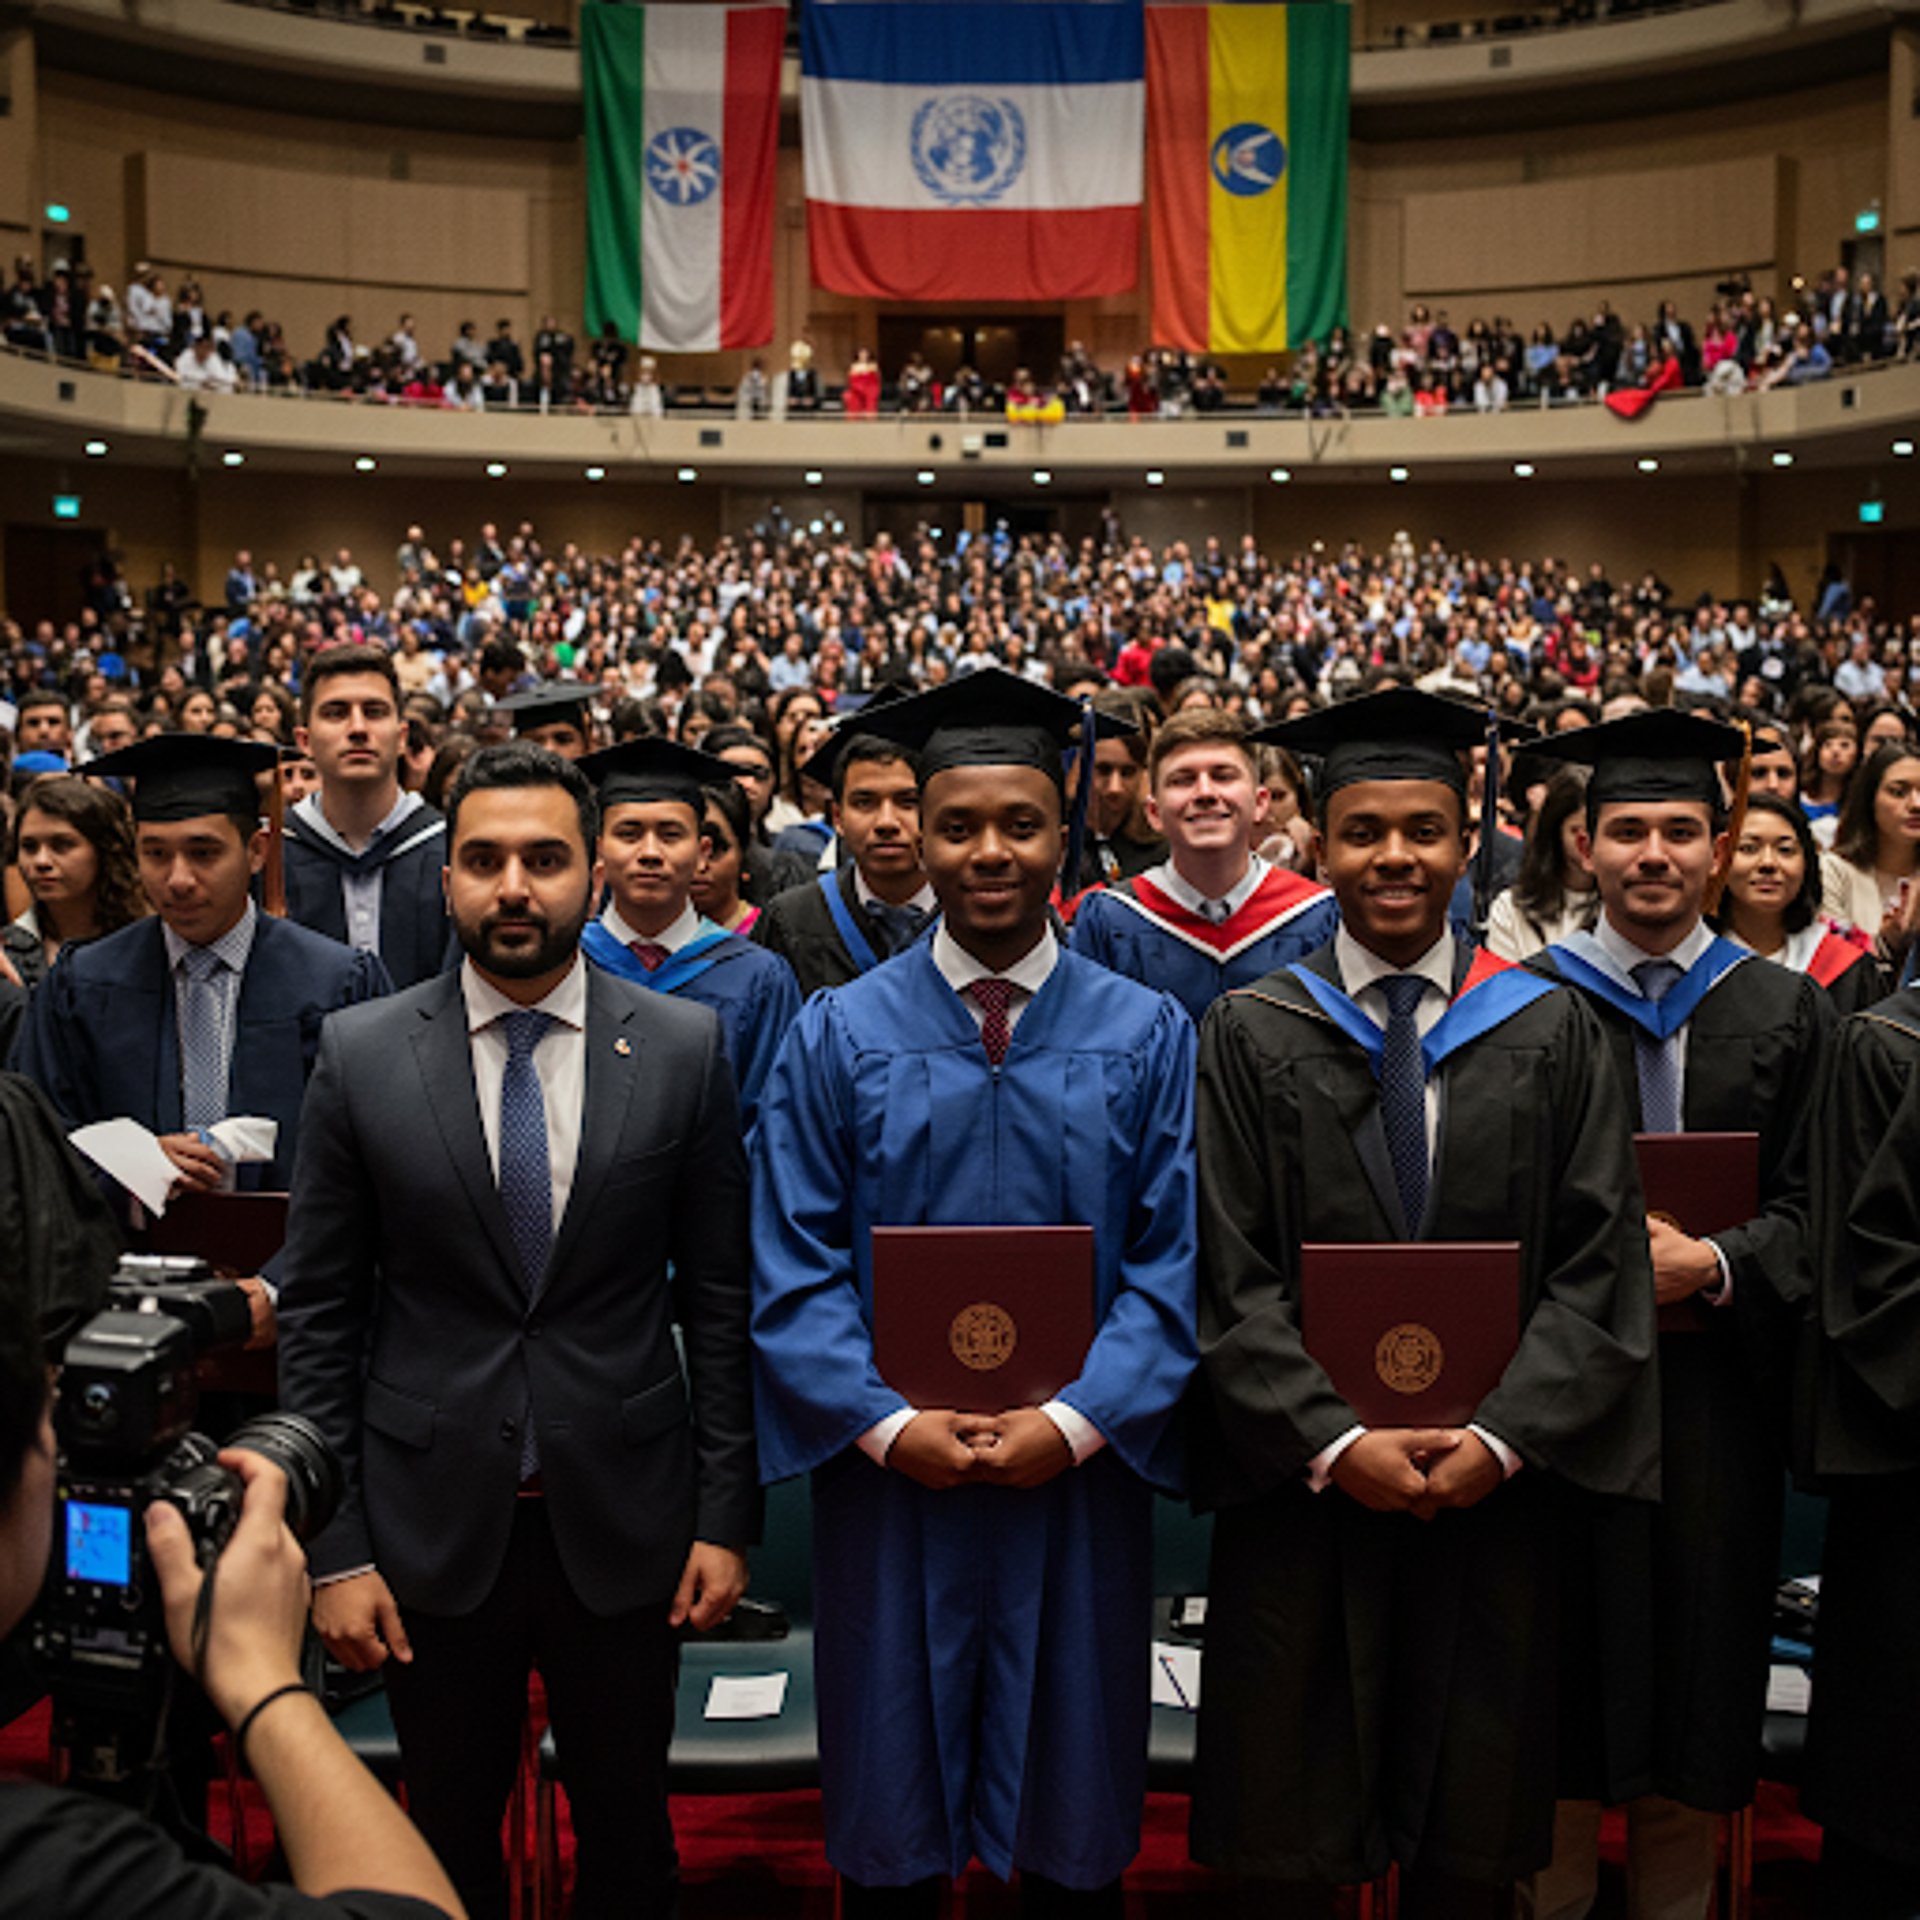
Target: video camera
[(128, 1394)]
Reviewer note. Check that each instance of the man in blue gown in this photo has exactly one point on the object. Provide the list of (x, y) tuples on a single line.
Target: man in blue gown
[(652, 834), (1213, 914), (982, 1583)]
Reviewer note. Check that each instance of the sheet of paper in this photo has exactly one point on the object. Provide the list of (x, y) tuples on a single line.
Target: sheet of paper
[(1176, 1676), (246, 1139), (1789, 1690), (746, 1696), (125, 1151)]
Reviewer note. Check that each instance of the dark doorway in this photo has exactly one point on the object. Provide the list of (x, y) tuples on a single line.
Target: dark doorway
[(900, 515), (995, 345), (1881, 565), (46, 571)]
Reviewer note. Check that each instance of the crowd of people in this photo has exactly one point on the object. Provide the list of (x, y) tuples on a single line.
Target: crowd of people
[(624, 941), (1428, 365)]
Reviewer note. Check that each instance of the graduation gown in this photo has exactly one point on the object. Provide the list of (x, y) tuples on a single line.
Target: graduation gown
[(754, 995), (1139, 929), (1861, 1434), (822, 932), (1685, 1594), (1423, 1657), (415, 935), (100, 1036), (981, 1653)]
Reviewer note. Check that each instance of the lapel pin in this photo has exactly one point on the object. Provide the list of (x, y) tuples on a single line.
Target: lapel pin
[(622, 1047)]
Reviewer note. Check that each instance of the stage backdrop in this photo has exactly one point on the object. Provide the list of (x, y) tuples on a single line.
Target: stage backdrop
[(1247, 165), (988, 151), (683, 126)]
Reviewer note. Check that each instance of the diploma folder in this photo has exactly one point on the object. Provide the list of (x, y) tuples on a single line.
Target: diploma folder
[(981, 1318), (1701, 1183), (1412, 1333)]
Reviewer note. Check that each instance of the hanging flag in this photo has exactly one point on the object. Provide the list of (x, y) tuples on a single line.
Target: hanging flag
[(1247, 152), (973, 151), (683, 126)]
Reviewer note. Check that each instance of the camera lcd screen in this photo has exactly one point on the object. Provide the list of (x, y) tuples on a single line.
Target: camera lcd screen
[(99, 1543)]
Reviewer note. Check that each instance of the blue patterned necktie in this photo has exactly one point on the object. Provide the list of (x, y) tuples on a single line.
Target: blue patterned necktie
[(1658, 1061), (526, 1174), (900, 925), (204, 1066), (1403, 1094)]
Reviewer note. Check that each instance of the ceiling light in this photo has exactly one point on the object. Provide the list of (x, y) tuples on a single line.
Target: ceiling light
[(1903, 449), (365, 464), (233, 459), (1280, 476), (1649, 466), (1523, 469), (1041, 477), (813, 476), (1155, 478), (1783, 458), (925, 476), (596, 473), (96, 449), (1398, 473), (689, 474), (496, 469)]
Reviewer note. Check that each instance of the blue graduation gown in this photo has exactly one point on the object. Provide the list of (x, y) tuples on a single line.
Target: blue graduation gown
[(981, 1652), (1137, 928), (752, 991)]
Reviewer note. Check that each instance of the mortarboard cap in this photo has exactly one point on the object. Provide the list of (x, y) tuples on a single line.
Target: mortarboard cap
[(824, 761), (180, 776), (1399, 734), (988, 718), (654, 768), (1662, 754), (554, 703)]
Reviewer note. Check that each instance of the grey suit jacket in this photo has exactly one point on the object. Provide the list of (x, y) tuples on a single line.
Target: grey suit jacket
[(408, 1335)]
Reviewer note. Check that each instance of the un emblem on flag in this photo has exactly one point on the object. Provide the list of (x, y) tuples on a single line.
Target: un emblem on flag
[(683, 166), (1248, 159), (968, 149)]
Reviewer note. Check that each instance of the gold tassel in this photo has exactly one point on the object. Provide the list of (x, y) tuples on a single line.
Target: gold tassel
[(273, 876)]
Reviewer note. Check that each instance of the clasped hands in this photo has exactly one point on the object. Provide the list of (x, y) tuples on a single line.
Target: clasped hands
[(941, 1448), (1417, 1470)]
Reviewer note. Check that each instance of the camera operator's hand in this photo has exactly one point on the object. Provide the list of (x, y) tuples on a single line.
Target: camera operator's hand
[(260, 1592), (199, 1167), (359, 1619), (266, 1322)]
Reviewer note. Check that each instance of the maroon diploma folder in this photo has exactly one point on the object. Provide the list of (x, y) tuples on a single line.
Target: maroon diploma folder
[(1700, 1183), (981, 1318), (1412, 1333)]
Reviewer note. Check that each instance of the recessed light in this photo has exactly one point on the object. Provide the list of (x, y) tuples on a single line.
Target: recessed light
[(1523, 469), (1398, 473), (1041, 477), (1649, 466), (925, 476), (688, 474), (1280, 476), (365, 464), (1903, 449), (233, 459), (596, 473), (1783, 458), (96, 449), (813, 476), (1155, 478), (496, 469)]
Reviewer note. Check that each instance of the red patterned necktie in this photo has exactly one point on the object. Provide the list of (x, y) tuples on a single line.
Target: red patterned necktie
[(994, 997), (650, 953)]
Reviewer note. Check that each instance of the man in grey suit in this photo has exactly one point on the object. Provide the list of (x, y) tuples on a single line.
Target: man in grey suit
[(513, 1180)]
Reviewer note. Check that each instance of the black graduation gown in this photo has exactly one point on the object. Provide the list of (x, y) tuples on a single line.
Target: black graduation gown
[(415, 934), (1377, 1687), (798, 926), (1684, 1593), (1861, 1433)]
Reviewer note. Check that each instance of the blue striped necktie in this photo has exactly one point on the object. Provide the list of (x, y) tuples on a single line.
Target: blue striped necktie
[(204, 1066), (1403, 1094), (1658, 1061)]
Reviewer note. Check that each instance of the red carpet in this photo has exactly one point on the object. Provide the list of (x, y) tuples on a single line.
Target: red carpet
[(758, 1857)]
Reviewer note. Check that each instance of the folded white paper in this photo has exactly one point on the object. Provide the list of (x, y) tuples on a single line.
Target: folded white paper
[(1176, 1676), (1789, 1690), (126, 1151), (746, 1696)]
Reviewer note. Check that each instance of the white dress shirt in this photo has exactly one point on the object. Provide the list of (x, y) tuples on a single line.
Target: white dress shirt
[(675, 936), (1027, 975), (1361, 971), (560, 1059), (1171, 881), (924, 900)]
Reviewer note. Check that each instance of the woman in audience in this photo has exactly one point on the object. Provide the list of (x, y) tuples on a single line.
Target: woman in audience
[(272, 711), (793, 707), (73, 844), (1773, 905), (1829, 766), (1868, 878), (732, 870), (1554, 894), (198, 712)]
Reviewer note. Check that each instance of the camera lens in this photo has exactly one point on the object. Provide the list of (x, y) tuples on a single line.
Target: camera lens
[(295, 1446)]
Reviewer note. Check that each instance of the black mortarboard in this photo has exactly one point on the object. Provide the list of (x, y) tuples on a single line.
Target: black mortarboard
[(654, 768), (988, 718), (180, 776), (1662, 754), (551, 704), (1399, 734), (824, 762)]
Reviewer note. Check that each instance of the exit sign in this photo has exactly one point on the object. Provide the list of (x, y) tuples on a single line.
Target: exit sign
[(66, 506)]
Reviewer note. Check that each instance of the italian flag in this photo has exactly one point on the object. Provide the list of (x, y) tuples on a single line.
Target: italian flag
[(1247, 174), (683, 126)]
